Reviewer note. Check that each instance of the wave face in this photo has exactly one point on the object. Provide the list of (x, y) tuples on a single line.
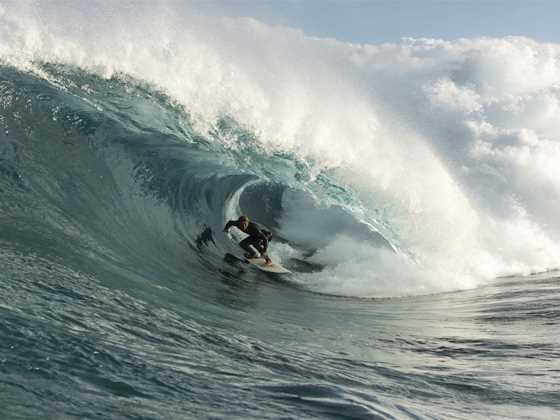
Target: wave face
[(130, 135)]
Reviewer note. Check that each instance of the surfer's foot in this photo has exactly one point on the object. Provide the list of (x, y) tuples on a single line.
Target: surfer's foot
[(250, 256)]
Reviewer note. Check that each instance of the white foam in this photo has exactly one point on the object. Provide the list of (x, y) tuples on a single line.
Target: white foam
[(355, 268)]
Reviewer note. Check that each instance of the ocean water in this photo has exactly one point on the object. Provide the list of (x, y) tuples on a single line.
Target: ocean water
[(412, 188)]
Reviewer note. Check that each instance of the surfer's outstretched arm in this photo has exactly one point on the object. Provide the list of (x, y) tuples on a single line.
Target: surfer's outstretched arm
[(242, 224), (229, 224)]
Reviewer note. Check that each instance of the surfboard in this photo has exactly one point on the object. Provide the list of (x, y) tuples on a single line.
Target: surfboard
[(260, 263)]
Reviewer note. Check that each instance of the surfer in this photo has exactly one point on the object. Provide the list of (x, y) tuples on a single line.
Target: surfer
[(258, 238)]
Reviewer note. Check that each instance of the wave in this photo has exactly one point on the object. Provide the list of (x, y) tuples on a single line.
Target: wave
[(386, 170)]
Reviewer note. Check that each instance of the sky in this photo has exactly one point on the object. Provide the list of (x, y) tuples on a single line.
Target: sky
[(378, 21)]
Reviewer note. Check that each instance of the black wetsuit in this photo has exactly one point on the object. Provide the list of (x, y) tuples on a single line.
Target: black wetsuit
[(256, 237)]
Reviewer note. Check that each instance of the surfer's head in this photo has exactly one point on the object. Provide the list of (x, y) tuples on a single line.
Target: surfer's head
[(243, 221)]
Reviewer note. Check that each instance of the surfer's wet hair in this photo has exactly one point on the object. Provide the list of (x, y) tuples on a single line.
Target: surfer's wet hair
[(243, 219)]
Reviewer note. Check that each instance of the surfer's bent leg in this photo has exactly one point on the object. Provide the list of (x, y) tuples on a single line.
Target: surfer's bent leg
[(246, 245)]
